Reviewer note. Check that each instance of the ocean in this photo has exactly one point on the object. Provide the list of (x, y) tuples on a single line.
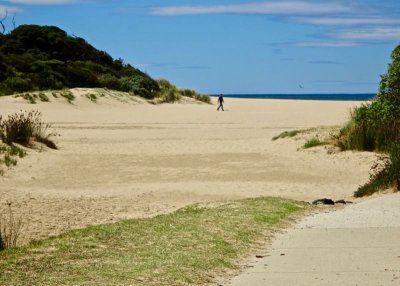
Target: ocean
[(313, 96)]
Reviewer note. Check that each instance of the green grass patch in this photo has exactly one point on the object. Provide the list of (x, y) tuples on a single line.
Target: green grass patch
[(188, 247), (287, 134), (313, 142)]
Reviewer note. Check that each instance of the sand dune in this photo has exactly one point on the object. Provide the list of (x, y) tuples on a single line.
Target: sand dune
[(122, 158)]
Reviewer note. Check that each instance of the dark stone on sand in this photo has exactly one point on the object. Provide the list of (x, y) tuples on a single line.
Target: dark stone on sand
[(324, 201), (343, 202)]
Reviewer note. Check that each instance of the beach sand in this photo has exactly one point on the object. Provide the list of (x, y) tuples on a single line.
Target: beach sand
[(120, 159)]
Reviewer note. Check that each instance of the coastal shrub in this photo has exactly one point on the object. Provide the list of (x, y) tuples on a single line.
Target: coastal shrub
[(170, 96), (17, 84), (140, 85), (23, 127), (110, 81), (170, 93), (376, 125), (383, 175), (34, 58), (10, 228)]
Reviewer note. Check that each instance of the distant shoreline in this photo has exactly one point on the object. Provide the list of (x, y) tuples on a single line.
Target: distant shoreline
[(313, 96)]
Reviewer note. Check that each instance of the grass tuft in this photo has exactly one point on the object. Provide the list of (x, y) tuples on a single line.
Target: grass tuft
[(22, 127), (68, 95), (91, 96), (313, 142), (9, 154), (287, 134), (188, 247), (43, 97), (29, 97), (10, 228)]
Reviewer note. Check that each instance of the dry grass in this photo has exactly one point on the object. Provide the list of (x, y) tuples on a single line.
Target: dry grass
[(10, 228)]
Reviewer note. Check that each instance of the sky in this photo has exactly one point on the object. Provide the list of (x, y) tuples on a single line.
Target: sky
[(235, 46)]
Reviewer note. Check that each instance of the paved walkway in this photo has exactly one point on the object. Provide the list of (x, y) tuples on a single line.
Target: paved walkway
[(357, 245)]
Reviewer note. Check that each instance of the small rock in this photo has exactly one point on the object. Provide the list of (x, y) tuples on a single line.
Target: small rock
[(261, 255), (324, 201), (343, 202)]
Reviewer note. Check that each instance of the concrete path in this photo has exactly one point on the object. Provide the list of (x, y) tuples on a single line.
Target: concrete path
[(357, 245)]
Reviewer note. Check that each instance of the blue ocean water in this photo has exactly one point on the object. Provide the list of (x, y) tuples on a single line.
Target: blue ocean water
[(313, 96)]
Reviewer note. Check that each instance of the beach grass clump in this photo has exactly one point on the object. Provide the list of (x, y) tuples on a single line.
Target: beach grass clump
[(384, 173), (169, 93), (29, 97), (43, 97), (313, 142), (9, 155), (10, 228), (23, 127), (68, 95), (193, 94), (91, 96), (188, 247), (286, 134)]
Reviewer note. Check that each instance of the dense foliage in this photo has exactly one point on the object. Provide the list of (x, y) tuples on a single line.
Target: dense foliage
[(376, 126), (44, 57)]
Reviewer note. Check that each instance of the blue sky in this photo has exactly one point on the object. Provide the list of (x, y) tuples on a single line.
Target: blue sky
[(236, 46)]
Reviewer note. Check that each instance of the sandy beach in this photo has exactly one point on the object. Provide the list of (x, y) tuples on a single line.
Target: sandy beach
[(121, 159)]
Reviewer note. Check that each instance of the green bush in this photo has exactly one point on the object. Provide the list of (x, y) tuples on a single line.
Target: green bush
[(17, 84), (170, 93), (375, 126), (110, 81), (385, 176), (139, 85), (170, 96), (38, 58)]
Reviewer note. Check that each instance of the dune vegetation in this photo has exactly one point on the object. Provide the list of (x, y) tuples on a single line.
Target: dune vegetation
[(375, 126), (21, 129), (35, 58)]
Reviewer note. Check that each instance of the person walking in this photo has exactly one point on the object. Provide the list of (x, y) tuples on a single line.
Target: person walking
[(221, 103)]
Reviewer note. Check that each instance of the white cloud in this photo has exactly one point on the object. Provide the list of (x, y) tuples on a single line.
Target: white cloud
[(42, 2), (373, 34), (324, 44), (9, 9), (269, 8), (337, 21)]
